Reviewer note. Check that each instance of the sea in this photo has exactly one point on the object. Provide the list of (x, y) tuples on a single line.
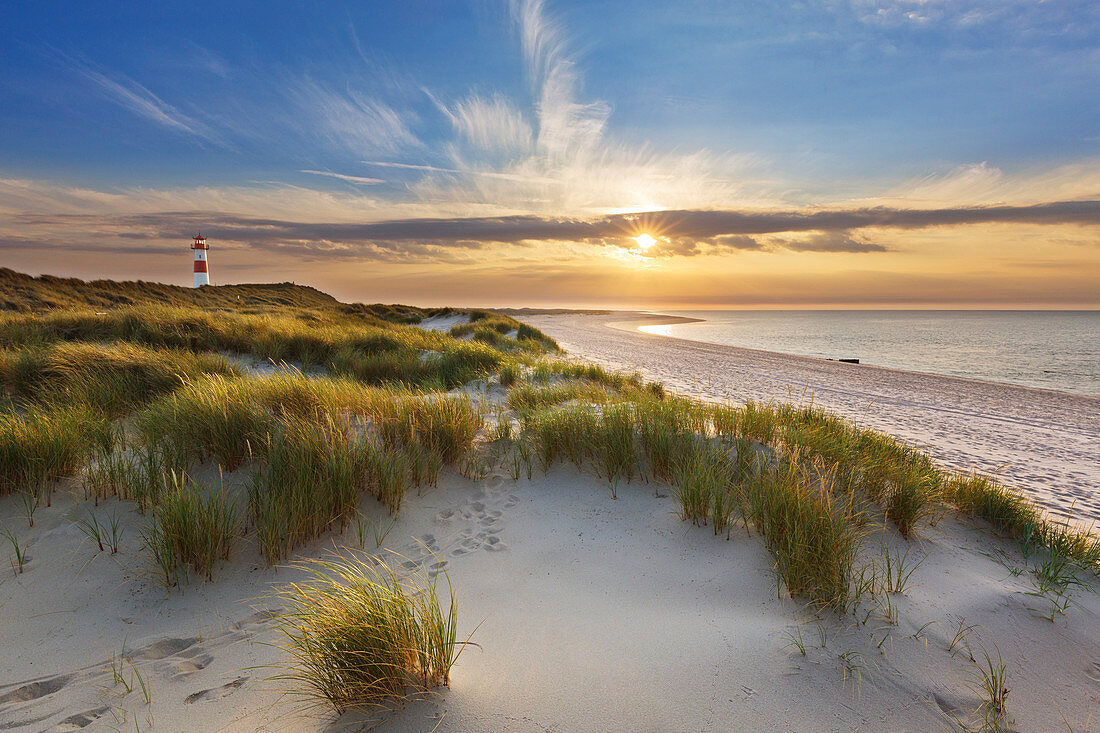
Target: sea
[(1057, 350)]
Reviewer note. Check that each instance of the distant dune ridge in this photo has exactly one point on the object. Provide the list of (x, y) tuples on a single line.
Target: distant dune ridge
[(254, 507)]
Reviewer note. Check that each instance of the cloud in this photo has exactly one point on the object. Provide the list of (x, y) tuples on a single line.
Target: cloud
[(139, 100), (345, 177), (688, 246), (458, 171), (555, 156), (490, 124), (838, 241), (353, 120), (682, 233)]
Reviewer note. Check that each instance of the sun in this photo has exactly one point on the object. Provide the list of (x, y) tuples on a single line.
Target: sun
[(645, 241)]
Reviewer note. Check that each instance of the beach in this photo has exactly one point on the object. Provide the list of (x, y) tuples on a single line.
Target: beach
[(1039, 441), (593, 611)]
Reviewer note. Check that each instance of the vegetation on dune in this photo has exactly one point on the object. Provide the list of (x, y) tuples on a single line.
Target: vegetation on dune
[(365, 348), (360, 635), (113, 378), (808, 481), (500, 330), (193, 528), (48, 443), (20, 292)]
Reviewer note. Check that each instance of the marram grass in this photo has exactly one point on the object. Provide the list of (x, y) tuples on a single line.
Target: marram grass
[(813, 531), (193, 528), (361, 636), (114, 378), (47, 443)]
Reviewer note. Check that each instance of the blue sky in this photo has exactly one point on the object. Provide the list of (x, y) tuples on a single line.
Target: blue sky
[(361, 113)]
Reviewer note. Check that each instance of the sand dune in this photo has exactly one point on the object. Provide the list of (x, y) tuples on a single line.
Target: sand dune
[(591, 613)]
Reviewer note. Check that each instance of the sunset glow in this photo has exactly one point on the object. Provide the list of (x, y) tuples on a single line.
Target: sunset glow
[(495, 155)]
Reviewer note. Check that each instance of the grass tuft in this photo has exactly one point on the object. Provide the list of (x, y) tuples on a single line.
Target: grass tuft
[(193, 528), (360, 636), (813, 533)]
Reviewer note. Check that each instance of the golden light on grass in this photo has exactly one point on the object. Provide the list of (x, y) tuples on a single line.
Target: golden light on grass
[(645, 241)]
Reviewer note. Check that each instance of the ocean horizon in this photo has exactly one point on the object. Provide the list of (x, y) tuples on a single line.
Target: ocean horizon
[(1057, 350)]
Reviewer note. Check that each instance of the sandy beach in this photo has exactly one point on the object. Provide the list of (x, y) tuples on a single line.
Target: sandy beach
[(1039, 441), (590, 613)]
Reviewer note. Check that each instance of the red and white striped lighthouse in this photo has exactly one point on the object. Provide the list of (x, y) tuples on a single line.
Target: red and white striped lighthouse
[(202, 273)]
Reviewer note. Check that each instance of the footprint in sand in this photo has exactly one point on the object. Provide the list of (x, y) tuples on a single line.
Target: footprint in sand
[(36, 690), (445, 516), (215, 693), (81, 720), (495, 544), (256, 619), (166, 647), (1094, 672), (187, 667)]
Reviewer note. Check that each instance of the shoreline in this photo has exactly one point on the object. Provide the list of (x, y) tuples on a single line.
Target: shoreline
[(1040, 441), (633, 325)]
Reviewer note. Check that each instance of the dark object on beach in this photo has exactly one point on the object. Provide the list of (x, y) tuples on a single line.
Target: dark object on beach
[(849, 361)]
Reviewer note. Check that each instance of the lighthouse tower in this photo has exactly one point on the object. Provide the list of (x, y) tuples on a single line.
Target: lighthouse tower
[(202, 274)]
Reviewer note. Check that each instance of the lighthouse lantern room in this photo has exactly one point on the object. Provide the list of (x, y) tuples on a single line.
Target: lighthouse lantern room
[(202, 272)]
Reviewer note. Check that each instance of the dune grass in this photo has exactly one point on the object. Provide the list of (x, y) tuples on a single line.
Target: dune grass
[(215, 418), (984, 497), (193, 528), (1012, 514), (437, 423), (310, 482), (532, 396), (813, 531), (142, 474), (813, 527), (900, 478), (504, 332), (378, 423), (361, 636), (47, 443), (114, 378), (368, 349), (702, 475)]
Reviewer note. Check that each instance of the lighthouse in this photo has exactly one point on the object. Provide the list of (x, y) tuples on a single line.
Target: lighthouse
[(202, 273)]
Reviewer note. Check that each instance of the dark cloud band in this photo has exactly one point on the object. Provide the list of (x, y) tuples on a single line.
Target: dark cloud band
[(672, 224), (683, 232)]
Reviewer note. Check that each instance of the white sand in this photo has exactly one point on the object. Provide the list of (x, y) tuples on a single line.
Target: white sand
[(443, 323), (1043, 442), (595, 614)]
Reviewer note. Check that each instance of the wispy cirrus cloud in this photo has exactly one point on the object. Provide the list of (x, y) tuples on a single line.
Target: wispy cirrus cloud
[(554, 154), (352, 120), (344, 177), (489, 124), (138, 99)]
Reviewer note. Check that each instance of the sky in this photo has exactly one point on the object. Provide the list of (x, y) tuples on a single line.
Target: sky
[(696, 154)]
